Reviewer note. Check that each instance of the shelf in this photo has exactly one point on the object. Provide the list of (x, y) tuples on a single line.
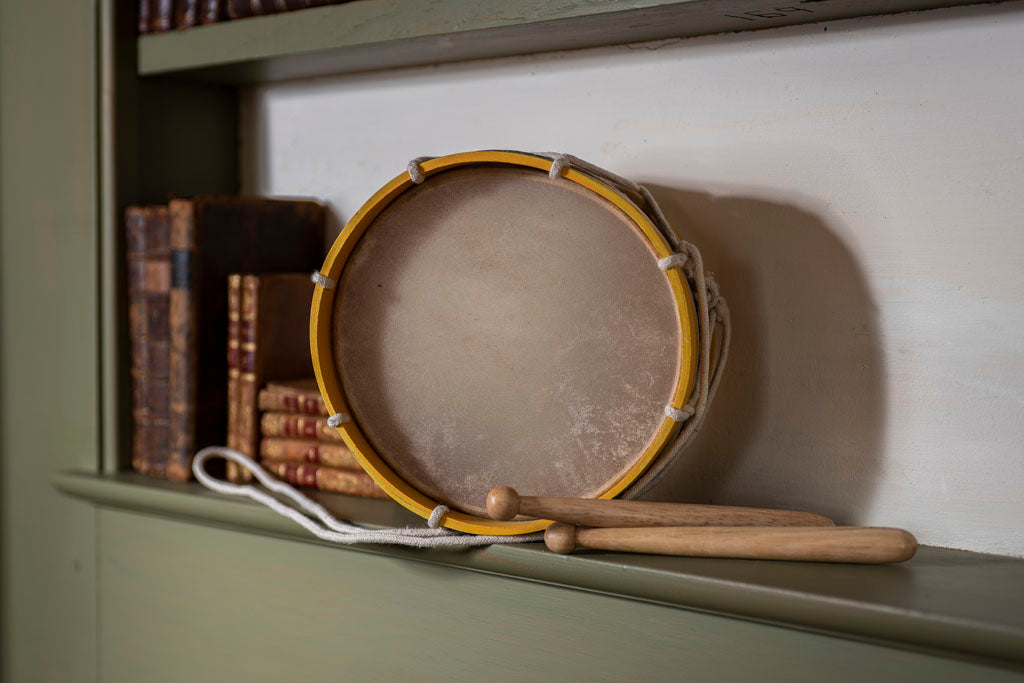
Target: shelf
[(953, 602), (376, 34)]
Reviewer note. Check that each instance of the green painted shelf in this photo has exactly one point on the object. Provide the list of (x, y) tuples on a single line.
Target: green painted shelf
[(377, 34), (954, 602)]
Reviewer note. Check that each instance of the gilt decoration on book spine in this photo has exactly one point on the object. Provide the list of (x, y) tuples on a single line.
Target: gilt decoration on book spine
[(234, 369)]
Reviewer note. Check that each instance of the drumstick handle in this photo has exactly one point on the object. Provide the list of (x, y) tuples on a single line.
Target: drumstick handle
[(504, 503), (867, 545)]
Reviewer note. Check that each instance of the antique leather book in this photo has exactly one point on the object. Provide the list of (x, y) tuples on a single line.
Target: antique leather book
[(234, 363), (186, 13), (274, 345), (326, 478), (309, 451), (238, 9), (143, 15), (210, 11), (298, 427), (211, 238), (161, 15), (296, 396), (147, 253)]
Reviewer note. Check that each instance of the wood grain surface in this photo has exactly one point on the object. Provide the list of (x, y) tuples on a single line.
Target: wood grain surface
[(503, 502), (863, 545)]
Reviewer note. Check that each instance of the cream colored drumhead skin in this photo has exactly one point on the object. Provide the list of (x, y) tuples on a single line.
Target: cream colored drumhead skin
[(494, 326)]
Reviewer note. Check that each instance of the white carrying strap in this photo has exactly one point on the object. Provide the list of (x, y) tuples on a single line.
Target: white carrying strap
[(318, 521)]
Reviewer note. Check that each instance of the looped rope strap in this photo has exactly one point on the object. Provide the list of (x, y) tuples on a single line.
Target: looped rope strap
[(318, 521)]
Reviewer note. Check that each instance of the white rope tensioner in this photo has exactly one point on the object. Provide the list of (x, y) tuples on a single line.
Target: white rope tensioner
[(318, 521), (322, 280), (338, 419)]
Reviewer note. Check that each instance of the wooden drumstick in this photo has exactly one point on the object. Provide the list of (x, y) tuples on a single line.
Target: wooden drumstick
[(503, 503), (866, 545)]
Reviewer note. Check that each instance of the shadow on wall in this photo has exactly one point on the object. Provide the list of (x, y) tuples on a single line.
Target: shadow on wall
[(800, 415)]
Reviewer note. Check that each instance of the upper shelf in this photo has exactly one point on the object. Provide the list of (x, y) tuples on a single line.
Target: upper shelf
[(955, 602), (375, 34)]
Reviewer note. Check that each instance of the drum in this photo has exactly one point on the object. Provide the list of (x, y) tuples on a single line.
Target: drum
[(530, 320)]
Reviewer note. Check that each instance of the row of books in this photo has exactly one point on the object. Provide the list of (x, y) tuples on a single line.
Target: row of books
[(186, 307), (298, 446), (180, 258), (157, 16)]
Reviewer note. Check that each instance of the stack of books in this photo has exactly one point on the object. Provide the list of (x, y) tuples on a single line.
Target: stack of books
[(298, 446), (157, 16), (178, 260)]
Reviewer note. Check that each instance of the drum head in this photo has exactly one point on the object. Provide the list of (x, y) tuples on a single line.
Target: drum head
[(495, 326)]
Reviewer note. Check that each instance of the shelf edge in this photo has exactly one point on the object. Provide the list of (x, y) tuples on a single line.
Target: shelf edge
[(378, 34), (624, 576)]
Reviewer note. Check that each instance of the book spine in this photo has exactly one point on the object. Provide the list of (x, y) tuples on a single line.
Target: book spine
[(308, 451), (299, 427), (292, 401), (183, 361), (161, 16), (210, 11), (147, 255), (249, 432), (326, 479), (186, 13), (135, 256), (143, 15), (234, 369), (239, 9)]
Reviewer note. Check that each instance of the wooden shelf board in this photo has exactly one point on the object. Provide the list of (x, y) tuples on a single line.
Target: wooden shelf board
[(955, 603), (375, 34)]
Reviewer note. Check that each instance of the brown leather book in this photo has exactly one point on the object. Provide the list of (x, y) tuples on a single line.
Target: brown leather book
[(298, 427), (234, 366), (211, 238), (147, 254), (143, 15), (297, 396), (239, 9), (186, 13), (290, 5), (211, 11), (326, 479), (274, 345), (308, 451), (161, 16)]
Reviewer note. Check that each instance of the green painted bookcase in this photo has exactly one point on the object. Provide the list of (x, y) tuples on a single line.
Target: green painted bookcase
[(110, 576)]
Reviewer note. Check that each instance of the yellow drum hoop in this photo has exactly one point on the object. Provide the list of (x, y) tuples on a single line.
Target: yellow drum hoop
[(321, 347)]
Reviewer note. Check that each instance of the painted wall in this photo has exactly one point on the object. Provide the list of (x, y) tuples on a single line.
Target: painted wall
[(856, 187), (48, 338)]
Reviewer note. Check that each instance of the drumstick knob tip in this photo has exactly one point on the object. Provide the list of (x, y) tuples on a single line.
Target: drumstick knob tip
[(560, 538), (502, 503)]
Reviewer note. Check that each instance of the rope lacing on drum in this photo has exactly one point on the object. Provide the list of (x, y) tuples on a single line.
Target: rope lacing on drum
[(559, 162), (673, 261), (679, 414), (337, 420), (415, 172), (319, 278)]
